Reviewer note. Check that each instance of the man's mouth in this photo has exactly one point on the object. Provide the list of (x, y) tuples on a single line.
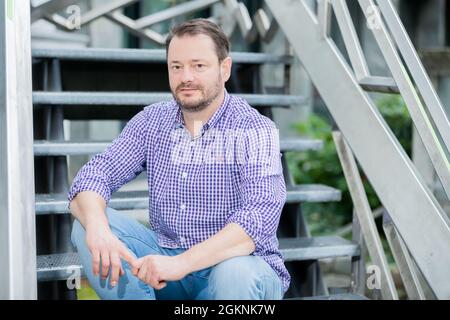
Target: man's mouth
[(188, 89)]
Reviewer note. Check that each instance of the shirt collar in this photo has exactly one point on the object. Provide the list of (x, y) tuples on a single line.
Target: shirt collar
[(179, 122)]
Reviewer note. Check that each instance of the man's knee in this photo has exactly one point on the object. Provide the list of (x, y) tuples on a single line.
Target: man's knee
[(240, 278)]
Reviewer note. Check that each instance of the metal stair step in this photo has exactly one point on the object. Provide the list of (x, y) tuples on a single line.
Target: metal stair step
[(62, 266), (341, 296), (300, 249), (122, 200), (78, 98), (58, 266), (63, 148), (379, 84), (133, 200), (145, 56), (312, 193)]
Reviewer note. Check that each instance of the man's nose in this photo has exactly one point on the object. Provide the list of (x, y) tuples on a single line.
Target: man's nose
[(187, 75)]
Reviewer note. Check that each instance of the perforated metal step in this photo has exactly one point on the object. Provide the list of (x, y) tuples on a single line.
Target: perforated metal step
[(78, 98), (298, 249), (132, 200), (145, 55), (58, 266), (62, 148), (342, 296)]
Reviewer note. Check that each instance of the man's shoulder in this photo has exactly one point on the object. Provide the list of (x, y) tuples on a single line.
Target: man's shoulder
[(157, 111), (245, 116)]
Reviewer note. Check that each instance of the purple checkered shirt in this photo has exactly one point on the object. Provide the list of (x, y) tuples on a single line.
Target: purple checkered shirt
[(231, 173)]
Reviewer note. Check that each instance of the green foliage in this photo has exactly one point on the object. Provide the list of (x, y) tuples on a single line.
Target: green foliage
[(86, 292), (323, 166)]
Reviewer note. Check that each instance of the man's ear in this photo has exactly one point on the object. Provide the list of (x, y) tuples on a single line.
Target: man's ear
[(225, 67)]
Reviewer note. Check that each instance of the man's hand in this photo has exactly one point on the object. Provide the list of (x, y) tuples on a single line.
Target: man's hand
[(155, 270), (107, 248)]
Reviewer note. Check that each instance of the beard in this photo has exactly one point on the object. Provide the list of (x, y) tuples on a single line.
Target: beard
[(208, 95)]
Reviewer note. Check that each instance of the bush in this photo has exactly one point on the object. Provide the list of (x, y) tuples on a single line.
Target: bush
[(323, 167)]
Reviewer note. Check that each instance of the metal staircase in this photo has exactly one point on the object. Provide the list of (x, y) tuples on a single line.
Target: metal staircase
[(72, 103), (93, 83)]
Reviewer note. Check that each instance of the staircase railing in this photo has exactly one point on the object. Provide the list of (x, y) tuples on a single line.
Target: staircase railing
[(417, 215)]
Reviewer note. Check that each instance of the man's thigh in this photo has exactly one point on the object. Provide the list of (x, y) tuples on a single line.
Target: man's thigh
[(138, 238), (245, 277)]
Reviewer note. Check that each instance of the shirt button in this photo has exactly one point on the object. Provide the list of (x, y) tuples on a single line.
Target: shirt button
[(184, 175), (183, 206)]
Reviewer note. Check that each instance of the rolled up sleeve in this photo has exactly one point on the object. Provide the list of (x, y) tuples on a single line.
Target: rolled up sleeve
[(262, 185), (122, 161)]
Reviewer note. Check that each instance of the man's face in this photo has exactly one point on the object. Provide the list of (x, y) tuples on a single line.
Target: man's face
[(195, 75)]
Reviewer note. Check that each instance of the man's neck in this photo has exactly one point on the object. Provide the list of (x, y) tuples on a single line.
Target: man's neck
[(194, 121)]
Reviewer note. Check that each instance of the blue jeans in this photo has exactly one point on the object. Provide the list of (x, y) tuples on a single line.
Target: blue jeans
[(245, 277)]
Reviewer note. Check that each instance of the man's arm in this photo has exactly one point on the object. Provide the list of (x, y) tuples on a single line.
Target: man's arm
[(88, 207), (231, 241), (106, 249), (91, 189)]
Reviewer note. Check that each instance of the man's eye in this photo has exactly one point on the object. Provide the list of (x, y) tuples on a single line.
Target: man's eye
[(200, 66), (176, 67)]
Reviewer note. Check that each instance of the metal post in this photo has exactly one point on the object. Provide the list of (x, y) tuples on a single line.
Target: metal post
[(358, 282), (365, 217), (405, 263), (17, 215)]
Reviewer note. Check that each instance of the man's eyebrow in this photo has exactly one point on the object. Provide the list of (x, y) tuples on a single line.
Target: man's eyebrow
[(193, 60)]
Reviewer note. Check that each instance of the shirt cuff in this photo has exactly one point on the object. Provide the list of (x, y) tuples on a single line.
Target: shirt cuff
[(250, 222), (94, 185)]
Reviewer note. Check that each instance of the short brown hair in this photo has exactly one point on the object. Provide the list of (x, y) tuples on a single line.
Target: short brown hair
[(202, 26)]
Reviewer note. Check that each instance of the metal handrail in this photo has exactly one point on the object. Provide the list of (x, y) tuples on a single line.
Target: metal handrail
[(391, 172), (417, 109)]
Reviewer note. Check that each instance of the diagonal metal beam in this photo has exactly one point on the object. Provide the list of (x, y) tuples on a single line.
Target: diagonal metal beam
[(89, 16), (365, 217), (57, 20), (405, 264), (266, 28), (130, 25), (101, 11), (351, 40), (48, 8), (178, 10), (324, 16)]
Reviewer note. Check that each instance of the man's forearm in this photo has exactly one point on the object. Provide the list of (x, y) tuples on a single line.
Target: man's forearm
[(231, 241), (89, 208)]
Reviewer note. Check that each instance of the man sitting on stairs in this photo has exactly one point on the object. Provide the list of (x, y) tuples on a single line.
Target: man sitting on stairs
[(214, 206)]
